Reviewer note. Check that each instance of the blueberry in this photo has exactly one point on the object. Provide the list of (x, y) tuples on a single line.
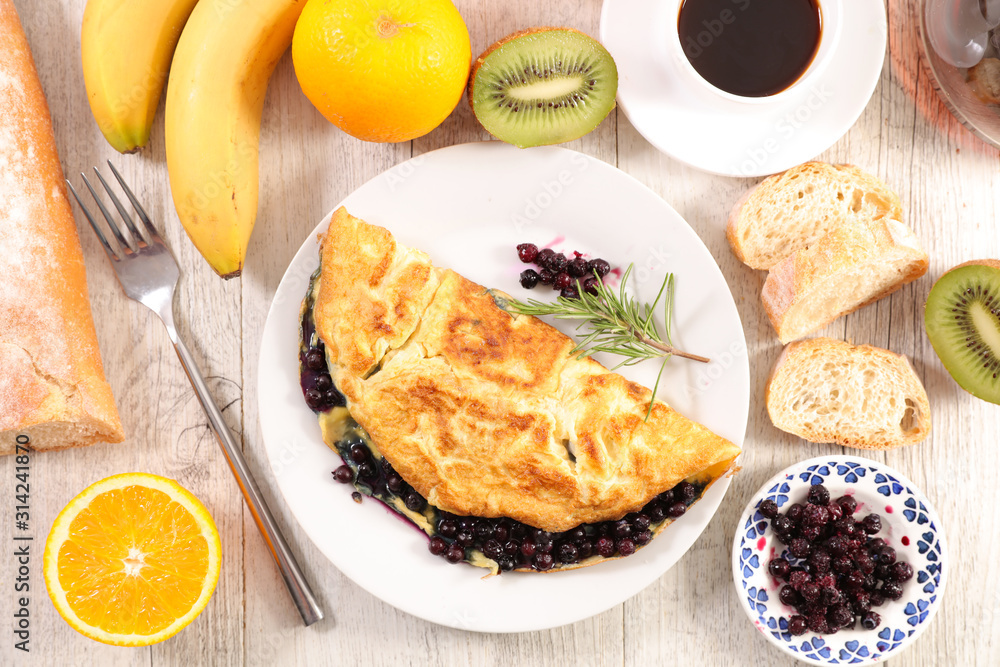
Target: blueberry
[(455, 554), (599, 266), (546, 277), (527, 252), (324, 382), (562, 281), (344, 474), (577, 267), (677, 510), (818, 495), (437, 546), (529, 278), (448, 527), (315, 360), (314, 399), (626, 547), (768, 508), (569, 293), (543, 562), (567, 552), (543, 256), (557, 262), (414, 502)]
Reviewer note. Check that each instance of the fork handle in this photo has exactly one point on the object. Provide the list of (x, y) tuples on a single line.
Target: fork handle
[(297, 585)]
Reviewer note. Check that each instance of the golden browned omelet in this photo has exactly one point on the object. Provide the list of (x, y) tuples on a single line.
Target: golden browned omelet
[(485, 413)]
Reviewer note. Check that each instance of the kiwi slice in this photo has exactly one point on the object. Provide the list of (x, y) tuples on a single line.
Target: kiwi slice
[(543, 86), (962, 317)]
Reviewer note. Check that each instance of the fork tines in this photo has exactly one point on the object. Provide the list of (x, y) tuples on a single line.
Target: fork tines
[(134, 240)]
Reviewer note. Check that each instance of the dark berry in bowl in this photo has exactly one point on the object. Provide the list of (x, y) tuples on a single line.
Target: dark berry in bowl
[(779, 567), (546, 277), (818, 495), (892, 590), (794, 513), (768, 508), (529, 278), (788, 595), (848, 504), (901, 572), (527, 252), (543, 257), (887, 555), (562, 281), (871, 620), (872, 523), (797, 625)]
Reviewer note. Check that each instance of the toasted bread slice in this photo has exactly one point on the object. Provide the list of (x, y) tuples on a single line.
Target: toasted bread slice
[(852, 266), (859, 396), (790, 211)]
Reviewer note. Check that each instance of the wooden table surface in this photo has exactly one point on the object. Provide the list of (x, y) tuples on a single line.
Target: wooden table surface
[(948, 183)]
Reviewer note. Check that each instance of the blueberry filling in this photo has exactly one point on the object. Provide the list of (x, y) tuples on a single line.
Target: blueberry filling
[(500, 544)]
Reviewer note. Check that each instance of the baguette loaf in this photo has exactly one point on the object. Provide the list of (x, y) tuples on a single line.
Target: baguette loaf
[(52, 388), (790, 211), (852, 266), (859, 396)]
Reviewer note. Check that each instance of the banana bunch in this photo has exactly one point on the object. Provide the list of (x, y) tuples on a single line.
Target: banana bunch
[(220, 55)]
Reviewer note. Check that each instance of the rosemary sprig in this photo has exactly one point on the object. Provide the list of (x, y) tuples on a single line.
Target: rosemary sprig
[(617, 323)]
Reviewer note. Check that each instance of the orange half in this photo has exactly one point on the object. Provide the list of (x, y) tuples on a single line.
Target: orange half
[(132, 560)]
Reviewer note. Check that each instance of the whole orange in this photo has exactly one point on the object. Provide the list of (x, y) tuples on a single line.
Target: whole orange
[(382, 70)]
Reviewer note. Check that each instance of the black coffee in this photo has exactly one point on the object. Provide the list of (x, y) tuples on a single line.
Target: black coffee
[(751, 48)]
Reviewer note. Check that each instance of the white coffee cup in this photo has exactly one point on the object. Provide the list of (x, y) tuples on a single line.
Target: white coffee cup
[(830, 26)]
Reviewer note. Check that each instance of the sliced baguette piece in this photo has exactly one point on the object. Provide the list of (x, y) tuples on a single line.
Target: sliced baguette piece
[(852, 266), (790, 211), (825, 390)]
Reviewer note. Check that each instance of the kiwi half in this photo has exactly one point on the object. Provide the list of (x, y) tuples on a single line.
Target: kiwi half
[(543, 86), (962, 317)]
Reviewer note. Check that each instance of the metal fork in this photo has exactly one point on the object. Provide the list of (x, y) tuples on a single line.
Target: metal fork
[(148, 273)]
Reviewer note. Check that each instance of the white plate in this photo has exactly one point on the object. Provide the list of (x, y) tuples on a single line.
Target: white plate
[(721, 136), (468, 206)]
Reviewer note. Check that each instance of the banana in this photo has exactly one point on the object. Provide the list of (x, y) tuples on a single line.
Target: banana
[(126, 46), (215, 97)]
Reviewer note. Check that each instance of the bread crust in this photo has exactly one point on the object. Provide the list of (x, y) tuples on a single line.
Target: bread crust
[(796, 280), (747, 214), (52, 385), (808, 358), (486, 414)]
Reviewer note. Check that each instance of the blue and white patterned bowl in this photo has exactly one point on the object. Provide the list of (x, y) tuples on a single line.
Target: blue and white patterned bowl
[(909, 525)]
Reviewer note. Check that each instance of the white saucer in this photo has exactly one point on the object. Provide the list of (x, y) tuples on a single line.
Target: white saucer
[(694, 125)]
